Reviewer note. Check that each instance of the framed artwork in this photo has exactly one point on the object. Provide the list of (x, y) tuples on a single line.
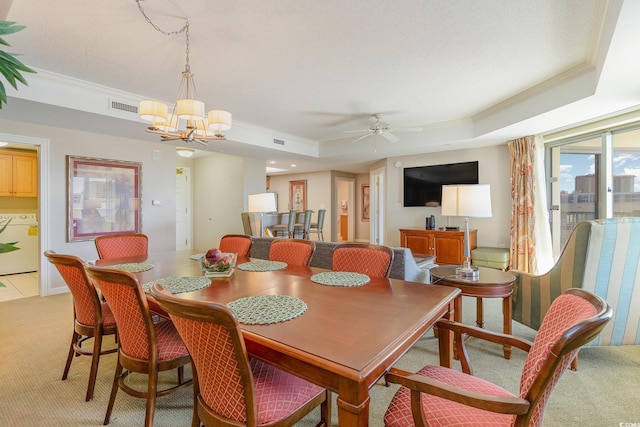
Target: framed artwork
[(298, 195), (365, 202), (103, 197)]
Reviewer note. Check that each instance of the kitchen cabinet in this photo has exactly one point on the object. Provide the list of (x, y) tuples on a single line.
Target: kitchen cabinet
[(447, 246), (18, 174)]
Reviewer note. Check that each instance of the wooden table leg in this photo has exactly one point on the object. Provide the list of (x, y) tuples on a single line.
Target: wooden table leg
[(457, 317), (507, 316), (479, 313), (445, 341)]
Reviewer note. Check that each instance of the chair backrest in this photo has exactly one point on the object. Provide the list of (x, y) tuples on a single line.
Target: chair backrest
[(122, 245), (372, 260), (574, 319), (611, 272), (306, 225), (236, 243), (291, 226), (568, 272), (121, 289), (321, 214), (86, 302), (211, 333), (246, 223), (292, 251)]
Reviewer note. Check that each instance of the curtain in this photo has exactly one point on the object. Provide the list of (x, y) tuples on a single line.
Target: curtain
[(530, 232)]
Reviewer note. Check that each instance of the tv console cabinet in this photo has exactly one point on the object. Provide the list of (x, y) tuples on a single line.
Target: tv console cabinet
[(447, 246)]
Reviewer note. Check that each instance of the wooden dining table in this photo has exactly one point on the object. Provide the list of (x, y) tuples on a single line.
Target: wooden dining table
[(347, 338)]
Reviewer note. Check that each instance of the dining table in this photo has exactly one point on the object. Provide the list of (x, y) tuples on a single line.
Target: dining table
[(347, 336)]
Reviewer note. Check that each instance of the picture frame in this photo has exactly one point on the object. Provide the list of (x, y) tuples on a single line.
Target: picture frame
[(103, 197), (365, 203), (298, 195)]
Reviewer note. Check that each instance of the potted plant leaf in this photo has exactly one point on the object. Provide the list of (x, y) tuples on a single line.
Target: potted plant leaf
[(10, 66), (7, 247)]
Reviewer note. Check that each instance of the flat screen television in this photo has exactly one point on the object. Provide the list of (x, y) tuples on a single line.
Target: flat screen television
[(423, 184)]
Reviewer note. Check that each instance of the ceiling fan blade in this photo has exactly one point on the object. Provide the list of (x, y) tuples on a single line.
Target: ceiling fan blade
[(357, 131), (390, 137), (361, 138)]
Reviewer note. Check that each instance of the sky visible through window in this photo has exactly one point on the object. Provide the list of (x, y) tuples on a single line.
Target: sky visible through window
[(573, 165)]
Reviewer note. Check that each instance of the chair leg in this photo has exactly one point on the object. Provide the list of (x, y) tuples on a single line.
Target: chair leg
[(95, 360), (152, 389), (74, 340), (114, 391), (325, 410), (574, 363)]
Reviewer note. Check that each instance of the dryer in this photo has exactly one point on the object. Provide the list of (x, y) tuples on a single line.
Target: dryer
[(22, 229)]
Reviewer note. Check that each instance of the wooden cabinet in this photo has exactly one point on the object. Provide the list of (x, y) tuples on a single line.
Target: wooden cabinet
[(18, 174), (447, 246)]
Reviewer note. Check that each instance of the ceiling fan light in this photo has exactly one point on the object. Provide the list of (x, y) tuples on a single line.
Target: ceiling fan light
[(151, 110), (185, 152), (220, 120), (190, 109)]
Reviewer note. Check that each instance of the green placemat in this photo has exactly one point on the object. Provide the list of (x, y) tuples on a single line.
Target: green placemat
[(262, 266), (177, 285), (340, 278), (134, 267), (267, 309)]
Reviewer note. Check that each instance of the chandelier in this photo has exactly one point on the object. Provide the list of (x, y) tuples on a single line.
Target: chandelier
[(187, 120)]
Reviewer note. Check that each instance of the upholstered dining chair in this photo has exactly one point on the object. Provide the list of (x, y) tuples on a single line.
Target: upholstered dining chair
[(92, 318), (304, 227), (441, 396), (230, 388), (292, 251), (285, 229), (143, 346), (122, 245), (372, 260), (236, 243), (316, 227)]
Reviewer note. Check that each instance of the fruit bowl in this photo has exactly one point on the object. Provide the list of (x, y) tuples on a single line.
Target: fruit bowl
[(221, 264)]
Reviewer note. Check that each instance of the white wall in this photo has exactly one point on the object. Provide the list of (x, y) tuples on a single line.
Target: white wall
[(158, 183), (493, 169)]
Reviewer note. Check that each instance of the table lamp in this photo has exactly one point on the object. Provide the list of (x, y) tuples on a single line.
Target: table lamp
[(261, 203), (469, 201)]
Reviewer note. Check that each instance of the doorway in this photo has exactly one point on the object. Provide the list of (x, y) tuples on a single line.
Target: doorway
[(376, 211), (184, 234), (344, 210)]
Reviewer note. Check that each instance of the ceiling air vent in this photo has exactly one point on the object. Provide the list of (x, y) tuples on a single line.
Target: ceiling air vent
[(278, 141), (115, 105)]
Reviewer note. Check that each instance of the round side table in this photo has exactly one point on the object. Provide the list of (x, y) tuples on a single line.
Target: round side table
[(490, 283)]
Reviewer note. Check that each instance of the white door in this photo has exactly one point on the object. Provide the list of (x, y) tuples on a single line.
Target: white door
[(376, 211), (183, 209)]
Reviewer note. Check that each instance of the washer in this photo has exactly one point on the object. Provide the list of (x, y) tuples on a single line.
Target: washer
[(22, 229)]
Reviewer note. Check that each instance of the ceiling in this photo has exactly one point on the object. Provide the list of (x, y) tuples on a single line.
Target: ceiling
[(471, 73)]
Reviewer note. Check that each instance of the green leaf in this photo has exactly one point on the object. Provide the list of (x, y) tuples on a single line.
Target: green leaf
[(5, 226), (8, 247), (11, 68)]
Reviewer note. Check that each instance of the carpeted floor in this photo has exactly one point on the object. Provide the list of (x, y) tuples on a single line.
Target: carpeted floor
[(35, 334)]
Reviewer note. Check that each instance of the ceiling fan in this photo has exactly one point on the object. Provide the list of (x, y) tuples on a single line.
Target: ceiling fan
[(382, 128)]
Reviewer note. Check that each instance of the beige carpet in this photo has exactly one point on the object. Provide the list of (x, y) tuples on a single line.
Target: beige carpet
[(35, 334)]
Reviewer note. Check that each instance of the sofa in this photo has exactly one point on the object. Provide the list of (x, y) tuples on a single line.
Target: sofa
[(601, 256), (403, 267)]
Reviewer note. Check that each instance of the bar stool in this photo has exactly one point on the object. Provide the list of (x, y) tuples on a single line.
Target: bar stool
[(316, 227)]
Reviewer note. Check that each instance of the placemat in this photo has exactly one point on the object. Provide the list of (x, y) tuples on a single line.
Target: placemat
[(262, 266), (134, 267), (340, 278), (267, 309), (177, 285)]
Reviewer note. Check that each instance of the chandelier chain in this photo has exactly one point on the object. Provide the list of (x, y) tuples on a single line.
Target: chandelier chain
[(184, 28)]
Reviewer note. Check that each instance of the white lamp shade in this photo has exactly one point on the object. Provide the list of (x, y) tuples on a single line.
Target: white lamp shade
[(468, 200), (202, 128), (169, 124), (190, 109), (262, 202), (153, 110), (220, 120)]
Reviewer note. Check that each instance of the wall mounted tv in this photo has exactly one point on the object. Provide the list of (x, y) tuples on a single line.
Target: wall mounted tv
[(423, 184)]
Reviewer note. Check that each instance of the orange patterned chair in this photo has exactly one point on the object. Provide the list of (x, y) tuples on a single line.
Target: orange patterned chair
[(292, 251), (372, 260), (445, 397), (122, 245), (230, 388), (143, 346), (92, 318), (236, 243)]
